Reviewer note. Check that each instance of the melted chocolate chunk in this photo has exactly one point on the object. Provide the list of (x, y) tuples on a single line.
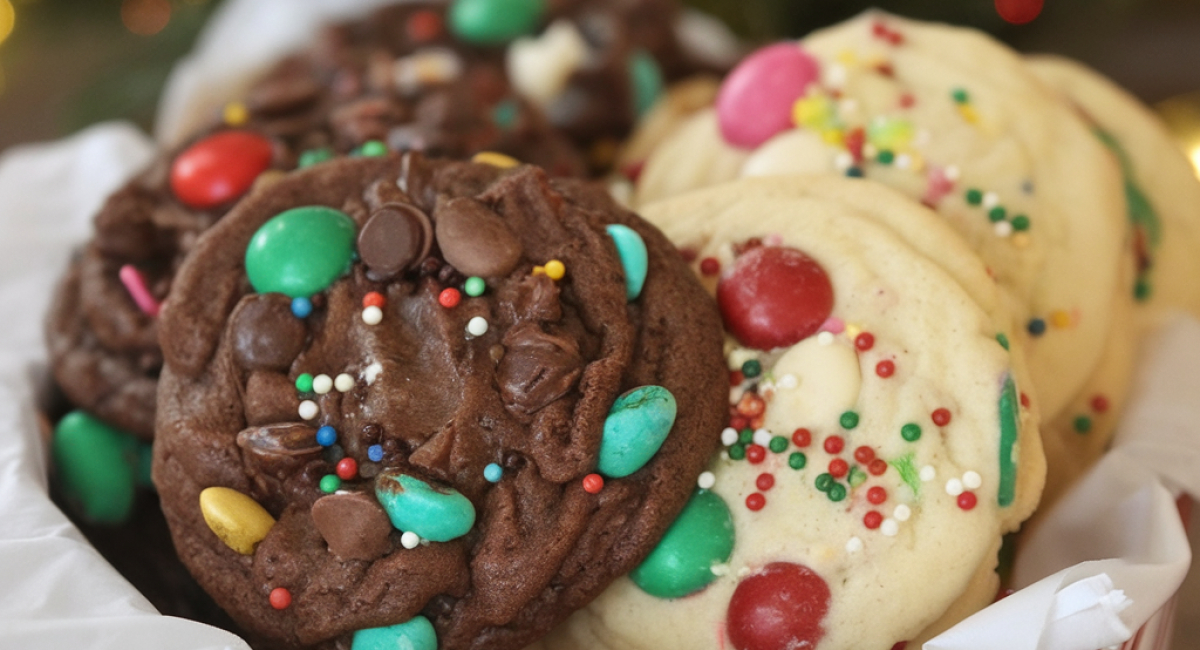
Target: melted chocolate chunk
[(537, 369), (354, 526), (266, 335)]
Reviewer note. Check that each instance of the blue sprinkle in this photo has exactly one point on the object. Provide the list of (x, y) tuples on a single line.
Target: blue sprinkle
[(492, 472), (505, 114), (854, 172), (301, 307), (326, 436), (375, 453), (1036, 327)]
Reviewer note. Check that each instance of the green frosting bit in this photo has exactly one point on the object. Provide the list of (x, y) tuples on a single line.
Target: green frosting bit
[(1009, 416), (1141, 213), (907, 470), (682, 563), (1002, 340), (856, 477)]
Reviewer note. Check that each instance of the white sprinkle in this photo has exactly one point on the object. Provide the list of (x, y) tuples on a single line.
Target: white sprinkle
[(854, 545), (923, 137), (835, 76), (477, 326), (762, 437), (903, 161), (951, 173), (889, 527), (322, 384), (843, 161), (902, 512), (990, 200), (788, 381), (724, 455), (735, 395), (622, 192), (308, 409), (928, 473), (848, 107), (410, 540), (954, 487), (729, 436), (372, 372), (343, 382), (825, 338), (372, 315), (706, 480), (720, 569), (972, 480), (1003, 228)]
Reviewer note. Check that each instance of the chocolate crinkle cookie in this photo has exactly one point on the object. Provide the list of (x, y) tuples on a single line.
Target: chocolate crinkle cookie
[(435, 403)]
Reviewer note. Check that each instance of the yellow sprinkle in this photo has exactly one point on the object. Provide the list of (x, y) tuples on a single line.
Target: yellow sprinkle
[(835, 137), (235, 518), (968, 113), (1060, 319), (852, 331), (495, 159), (555, 269), (235, 114), (1020, 239), (847, 57), (539, 270), (813, 111), (917, 163)]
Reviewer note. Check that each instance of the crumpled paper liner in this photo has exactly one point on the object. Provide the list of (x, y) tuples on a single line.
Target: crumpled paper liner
[(1114, 551)]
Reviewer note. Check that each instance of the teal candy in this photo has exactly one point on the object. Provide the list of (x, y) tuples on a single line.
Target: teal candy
[(416, 633), (435, 514), (647, 80), (634, 259), (494, 22), (681, 564), (635, 429), (300, 252), (96, 466)]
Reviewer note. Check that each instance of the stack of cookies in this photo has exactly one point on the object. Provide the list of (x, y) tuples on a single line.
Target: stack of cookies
[(413, 381)]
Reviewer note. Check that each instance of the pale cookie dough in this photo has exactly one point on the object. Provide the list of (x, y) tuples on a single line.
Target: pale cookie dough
[(848, 488), (954, 119)]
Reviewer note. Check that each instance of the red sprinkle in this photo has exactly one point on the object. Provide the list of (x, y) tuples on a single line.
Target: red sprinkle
[(449, 298), (1100, 404), (765, 481), (885, 368), (907, 100), (864, 341), (855, 140), (593, 483), (877, 495), (872, 520), (1024, 400), (739, 422), (374, 299), (423, 26), (838, 468), (756, 501), (688, 254), (633, 171), (709, 266), (864, 454), (347, 468), (751, 405), (802, 437), (941, 417), (736, 377), (280, 598), (755, 453), (966, 500), (877, 467), (834, 444)]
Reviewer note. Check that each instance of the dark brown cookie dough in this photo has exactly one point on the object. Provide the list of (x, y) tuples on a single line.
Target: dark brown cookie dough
[(510, 417)]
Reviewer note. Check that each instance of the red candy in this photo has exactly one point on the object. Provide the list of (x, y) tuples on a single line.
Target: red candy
[(877, 467), (778, 608), (774, 297), (864, 454), (374, 299), (885, 368), (801, 437), (1019, 12), (755, 453), (280, 598), (872, 520), (756, 502), (710, 266), (347, 468), (593, 483), (449, 298), (941, 417), (834, 444), (219, 168), (967, 500), (838, 468), (765, 482), (864, 341), (877, 495)]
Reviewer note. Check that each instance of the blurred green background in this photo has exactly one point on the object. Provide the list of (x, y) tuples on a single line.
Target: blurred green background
[(65, 64)]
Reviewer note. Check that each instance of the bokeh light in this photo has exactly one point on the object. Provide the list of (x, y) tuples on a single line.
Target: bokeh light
[(144, 17), (8, 18)]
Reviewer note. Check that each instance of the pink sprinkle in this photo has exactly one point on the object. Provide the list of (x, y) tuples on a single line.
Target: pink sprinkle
[(938, 186), (135, 284), (834, 325), (775, 239)]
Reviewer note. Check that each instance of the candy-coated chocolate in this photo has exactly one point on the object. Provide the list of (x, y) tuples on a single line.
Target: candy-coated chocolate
[(495, 21), (778, 607), (96, 466), (634, 259), (219, 168), (757, 98), (647, 80), (682, 563), (636, 427), (1010, 429), (301, 251), (416, 633), (235, 518), (354, 525), (434, 513), (774, 297)]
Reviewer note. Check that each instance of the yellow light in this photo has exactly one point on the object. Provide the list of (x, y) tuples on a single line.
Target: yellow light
[(1182, 116), (8, 18), (1195, 156), (144, 17)]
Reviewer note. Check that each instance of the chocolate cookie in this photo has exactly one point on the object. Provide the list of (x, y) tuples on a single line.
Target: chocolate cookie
[(420, 400)]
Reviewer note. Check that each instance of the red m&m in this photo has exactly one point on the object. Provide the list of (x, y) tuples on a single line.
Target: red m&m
[(774, 296), (219, 168), (778, 607)]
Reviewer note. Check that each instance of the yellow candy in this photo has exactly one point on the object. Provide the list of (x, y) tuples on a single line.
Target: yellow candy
[(495, 159), (835, 137), (847, 57), (968, 113), (1020, 240), (1060, 319), (852, 331), (235, 518), (235, 114), (555, 269)]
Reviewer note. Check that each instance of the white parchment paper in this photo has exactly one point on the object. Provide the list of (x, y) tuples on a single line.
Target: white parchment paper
[(1111, 557)]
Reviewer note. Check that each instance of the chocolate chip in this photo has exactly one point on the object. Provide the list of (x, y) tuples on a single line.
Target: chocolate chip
[(279, 450), (270, 397), (475, 239), (538, 369), (354, 526), (265, 333), (283, 94), (394, 238)]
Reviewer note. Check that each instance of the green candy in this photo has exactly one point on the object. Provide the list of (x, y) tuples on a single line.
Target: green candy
[(434, 513), (1010, 417), (416, 633), (493, 22), (647, 80), (97, 467), (681, 564), (634, 258), (635, 429), (475, 286), (300, 252)]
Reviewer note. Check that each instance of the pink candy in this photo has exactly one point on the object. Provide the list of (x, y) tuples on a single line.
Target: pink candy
[(136, 285), (756, 100)]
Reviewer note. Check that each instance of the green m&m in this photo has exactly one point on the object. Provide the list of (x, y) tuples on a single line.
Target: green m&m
[(97, 467), (300, 252), (495, 21), (682, 563)]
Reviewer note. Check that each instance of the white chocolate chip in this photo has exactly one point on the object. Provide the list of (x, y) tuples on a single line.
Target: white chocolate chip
[(540, 67), (372, 372)]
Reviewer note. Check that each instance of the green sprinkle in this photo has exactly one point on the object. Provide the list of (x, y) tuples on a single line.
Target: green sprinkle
[(746, 436), (505, 114), (474, 286), (304, 383), (778, 444), (974, 196), (1020, 223), (885, 157), (1002, 340), (737, 451), (1141, 290), (1009, 407), (330, 483), (836, 492), (1083, 424), (911, 432), (797, 460), (373, 149), (856, 477), (960, 95), (997, 214), (824, 482), (908, 472), (314, 156), (849, 420), (752, 368)]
